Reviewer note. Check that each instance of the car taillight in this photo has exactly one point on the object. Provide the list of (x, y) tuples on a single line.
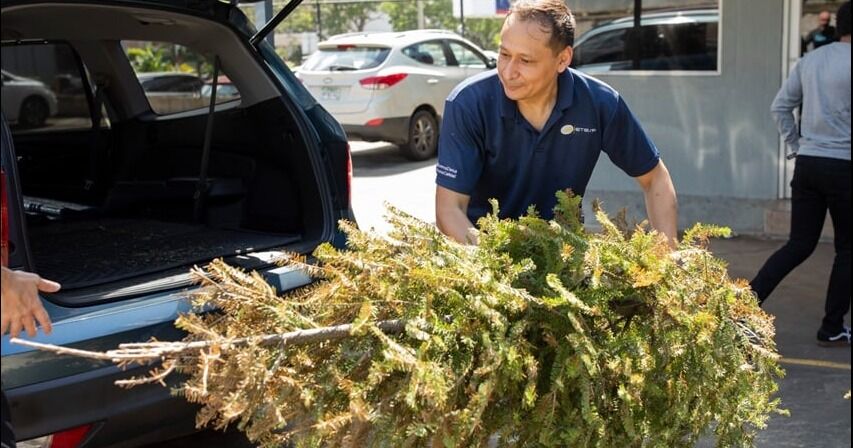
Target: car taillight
[(4, 220), (70, 438), (382, 82)]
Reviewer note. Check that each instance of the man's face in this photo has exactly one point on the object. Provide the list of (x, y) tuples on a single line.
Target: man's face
[(528, 64), (824, 19)]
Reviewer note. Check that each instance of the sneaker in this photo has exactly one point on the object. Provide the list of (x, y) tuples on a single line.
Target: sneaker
[(841, 339)]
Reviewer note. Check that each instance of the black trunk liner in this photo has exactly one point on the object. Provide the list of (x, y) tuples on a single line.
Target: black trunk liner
[(88, 253)]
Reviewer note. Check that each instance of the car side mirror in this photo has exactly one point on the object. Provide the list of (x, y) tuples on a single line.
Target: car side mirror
[(492, 63)]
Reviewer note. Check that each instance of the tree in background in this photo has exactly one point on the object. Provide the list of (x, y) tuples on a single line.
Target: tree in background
[(484, 32), (404, 15), (345, 18), (165, 57), (149, 59), (439, 15)]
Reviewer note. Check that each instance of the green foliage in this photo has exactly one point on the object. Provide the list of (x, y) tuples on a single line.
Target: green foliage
[(149, 59), (541, 336), (157, 57), (345, 18), (484, 32), (439, 15)]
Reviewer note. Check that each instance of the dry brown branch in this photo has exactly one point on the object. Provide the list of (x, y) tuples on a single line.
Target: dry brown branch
[(154, 351)]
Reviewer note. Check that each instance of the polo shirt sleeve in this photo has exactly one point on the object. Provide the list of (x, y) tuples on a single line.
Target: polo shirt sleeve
[(460, 149), (627, 144)]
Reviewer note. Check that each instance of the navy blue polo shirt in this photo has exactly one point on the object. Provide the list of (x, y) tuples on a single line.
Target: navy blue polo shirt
[(487, 149)]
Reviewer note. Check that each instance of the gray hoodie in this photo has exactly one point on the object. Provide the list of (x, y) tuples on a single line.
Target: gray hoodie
[(820, 82)]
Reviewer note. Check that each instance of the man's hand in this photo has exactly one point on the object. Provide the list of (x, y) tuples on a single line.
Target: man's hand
[(451, 216), (21, 305), (661, 201)]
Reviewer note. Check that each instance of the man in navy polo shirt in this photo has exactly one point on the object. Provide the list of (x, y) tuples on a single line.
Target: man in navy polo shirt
[(535, 127)]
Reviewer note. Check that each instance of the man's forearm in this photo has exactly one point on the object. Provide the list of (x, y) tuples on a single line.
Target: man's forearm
[(454, 223), (662, 204), (662, 208)]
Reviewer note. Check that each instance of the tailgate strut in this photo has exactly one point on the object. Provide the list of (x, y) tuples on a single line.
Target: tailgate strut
[(272, 23)]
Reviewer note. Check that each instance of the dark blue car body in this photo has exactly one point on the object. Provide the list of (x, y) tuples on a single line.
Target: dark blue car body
[(50, 393)]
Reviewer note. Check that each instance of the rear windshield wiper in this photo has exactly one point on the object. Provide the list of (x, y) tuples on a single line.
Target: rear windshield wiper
[(341, 68)]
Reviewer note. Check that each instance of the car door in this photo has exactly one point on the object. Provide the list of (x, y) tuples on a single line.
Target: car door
[(439, 76), (470, 60)]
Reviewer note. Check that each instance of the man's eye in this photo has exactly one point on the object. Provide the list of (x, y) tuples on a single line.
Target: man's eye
[(526, 61)]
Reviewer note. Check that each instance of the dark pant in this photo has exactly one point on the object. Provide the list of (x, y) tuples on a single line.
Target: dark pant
[(8, 440), (819, 184)]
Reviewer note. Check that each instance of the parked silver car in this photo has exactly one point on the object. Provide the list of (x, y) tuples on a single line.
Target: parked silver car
[(392, 86), (27, 102)]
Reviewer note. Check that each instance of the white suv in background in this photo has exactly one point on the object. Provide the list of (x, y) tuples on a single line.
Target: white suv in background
[(392, 86), (27, 102)]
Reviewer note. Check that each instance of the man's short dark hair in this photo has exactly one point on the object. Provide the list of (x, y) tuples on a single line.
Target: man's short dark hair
[(842, 20), (554, 15)]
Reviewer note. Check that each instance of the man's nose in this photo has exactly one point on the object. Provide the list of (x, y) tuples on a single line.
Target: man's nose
[(509, 69)]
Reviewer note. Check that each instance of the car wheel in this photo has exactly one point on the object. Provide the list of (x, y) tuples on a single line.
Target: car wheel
[(423, 136), (34, 112)]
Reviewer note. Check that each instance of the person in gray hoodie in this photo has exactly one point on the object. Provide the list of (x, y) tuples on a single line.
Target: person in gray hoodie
[(820, 83)]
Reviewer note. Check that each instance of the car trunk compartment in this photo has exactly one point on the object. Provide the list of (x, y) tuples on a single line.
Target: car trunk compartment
[(138, 232), (110, 250)]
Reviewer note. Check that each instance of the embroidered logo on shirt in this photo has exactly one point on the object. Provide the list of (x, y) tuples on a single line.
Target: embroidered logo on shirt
[(571, 129), (446, 171)]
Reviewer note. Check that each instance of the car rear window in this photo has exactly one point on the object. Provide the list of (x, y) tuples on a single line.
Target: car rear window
[(346, 57)]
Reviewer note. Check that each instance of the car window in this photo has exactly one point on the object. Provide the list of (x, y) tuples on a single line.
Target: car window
[(667, 41), (346, 57), (175, 78), (44, 88), (686, 46), (607, 47), (429, 53), (466, 56)]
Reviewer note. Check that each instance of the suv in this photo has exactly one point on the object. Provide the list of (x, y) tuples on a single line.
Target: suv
[(117, 202), (392, 86), (667, 41)]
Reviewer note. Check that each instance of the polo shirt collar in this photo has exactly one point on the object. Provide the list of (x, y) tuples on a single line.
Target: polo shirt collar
[(565, 96)]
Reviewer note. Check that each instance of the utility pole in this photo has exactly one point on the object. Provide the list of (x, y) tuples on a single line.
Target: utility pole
[(421, 18), (462, 15), (319, 21), (638, 36), (263, 13)]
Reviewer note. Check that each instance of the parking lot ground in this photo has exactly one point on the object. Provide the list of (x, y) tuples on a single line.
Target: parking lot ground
[(817, 378)]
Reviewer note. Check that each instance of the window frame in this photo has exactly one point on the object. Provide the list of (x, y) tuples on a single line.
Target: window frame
[(677, 73), (88, 88)]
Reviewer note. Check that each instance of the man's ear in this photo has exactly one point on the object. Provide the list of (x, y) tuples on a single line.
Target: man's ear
[(565, 58)]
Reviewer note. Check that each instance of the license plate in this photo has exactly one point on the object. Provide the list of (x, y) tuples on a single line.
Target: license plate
[(330, 93)]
